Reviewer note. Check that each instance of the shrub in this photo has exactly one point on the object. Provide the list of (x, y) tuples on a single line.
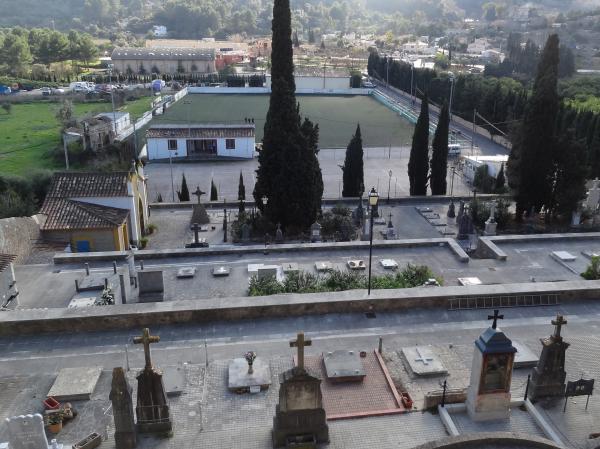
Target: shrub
[(143, 242), (152, 228), (592, 272)]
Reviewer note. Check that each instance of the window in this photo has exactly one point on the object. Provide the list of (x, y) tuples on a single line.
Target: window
[(230, 144), (172, 144)]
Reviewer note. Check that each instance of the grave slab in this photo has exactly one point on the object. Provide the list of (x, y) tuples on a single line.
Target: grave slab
[(563, 256), (323, 266), (75, 384), (84, 299), (239, 380), (590, 254), (389, 264), (221, 271), (423, 361), (469, 281), (186, 272), (174, 379), (525, 357), (268, 271), (356, 264), (290, 268), (151, 285), (343, 366)]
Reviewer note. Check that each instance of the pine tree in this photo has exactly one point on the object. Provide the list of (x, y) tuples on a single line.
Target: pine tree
[(311, 36), (288, 173), (530, 162), (439, 153), (184, 193), (214, 196), (500, 181), (418, 163), (322, 45), (353, 173), (241, 188)]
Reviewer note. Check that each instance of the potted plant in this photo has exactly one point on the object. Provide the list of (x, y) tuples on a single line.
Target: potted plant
[(55, 422)]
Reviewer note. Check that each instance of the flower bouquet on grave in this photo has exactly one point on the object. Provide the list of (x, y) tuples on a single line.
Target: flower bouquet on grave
[(54, 420), (250, 356)]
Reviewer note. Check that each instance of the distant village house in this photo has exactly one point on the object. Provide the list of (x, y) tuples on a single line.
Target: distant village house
[(164, 60)]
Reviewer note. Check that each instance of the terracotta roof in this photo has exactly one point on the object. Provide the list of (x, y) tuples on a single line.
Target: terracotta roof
[(87, 184), (5, 261), (64, 215), (200, 132)]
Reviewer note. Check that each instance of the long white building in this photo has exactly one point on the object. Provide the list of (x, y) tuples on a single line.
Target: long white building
[(201, 141)]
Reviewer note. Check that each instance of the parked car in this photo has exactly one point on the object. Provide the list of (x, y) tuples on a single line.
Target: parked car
[(58, 91), (368, 84), (46, 91), (5, 90)]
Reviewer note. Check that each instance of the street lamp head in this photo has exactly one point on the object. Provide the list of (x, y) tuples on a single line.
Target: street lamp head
[(373, 197), (265, 200)]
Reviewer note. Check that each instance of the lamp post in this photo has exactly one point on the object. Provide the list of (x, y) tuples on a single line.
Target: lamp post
[(265, 200), (411, 83), (373, 199), (172, 183), (389, 185), (451, 94)]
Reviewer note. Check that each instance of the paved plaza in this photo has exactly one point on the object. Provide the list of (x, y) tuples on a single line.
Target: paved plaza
[(378, 161), (207, 415)]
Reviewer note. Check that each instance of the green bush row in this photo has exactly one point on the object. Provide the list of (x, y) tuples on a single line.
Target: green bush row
[(337, 280)]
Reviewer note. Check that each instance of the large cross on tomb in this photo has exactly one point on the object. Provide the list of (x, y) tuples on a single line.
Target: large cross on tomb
[(300, 343), (496, 316), (146, 339), (559, 322)]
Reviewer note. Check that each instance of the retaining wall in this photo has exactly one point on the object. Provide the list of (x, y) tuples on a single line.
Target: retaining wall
[(18, 234), (19, 322)]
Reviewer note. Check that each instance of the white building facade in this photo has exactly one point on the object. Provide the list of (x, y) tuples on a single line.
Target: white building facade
[(472, 163), (201, 141)]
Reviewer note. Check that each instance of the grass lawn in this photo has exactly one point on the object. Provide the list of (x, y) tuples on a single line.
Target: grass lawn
[(31, 129), (337, 116)]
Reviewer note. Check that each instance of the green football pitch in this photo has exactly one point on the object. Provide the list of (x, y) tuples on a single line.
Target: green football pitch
[(337, 116)]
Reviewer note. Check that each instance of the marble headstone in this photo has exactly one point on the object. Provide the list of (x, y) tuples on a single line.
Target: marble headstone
[(26, 432)]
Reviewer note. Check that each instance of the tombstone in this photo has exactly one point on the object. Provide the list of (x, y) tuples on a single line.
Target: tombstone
[(548, 377), (389, 264), (323, 266), (199, 215), (26, 432), (196, 243), (221, 271), (344, 366), (290, 267), (245, 232), (248, 374), (488, 395), (225, 225), (315, 232), (299, 415), (151, 285), (593, 196), (423, 361), (152, 409), (490, 224), (465, 225), (356, 264), (278, 234), (359, 213), (366, 228), (451, 210), (122, 404), (390, 234), (186, 272), (267, 272)]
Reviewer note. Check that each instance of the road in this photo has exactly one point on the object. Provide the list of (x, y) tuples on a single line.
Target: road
[(481, 143)]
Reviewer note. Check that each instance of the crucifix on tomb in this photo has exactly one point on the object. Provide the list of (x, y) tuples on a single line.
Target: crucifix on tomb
[(559, 322), (496, 316), (198, 193), (196, 228), (422, 358), (146, 339), (300, 343)]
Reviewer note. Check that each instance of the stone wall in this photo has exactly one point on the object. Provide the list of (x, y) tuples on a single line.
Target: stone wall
[(18, 235)]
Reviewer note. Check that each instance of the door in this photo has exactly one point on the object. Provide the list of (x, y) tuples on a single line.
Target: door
[(83, 246)]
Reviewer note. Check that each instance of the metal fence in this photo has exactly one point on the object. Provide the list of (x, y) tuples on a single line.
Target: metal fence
[(499, 301)]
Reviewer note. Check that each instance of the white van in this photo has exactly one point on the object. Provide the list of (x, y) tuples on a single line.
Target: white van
[(454, 149), (79, 86)]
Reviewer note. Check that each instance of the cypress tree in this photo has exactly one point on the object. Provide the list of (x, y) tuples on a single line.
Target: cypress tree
[(569, 177), (530, 162), (184, 193), (241, 188), (439, 153), (418, 163), (214, 196), (500, 180), (288, 173), (296, 40), (353, 177), (594, 151)]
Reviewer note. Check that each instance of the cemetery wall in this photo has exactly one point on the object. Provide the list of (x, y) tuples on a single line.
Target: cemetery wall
[(355, 301), (18, 235)]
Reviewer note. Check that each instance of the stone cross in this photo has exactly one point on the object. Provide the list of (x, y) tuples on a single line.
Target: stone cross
[(198, 193), (146, 339), (196, 228), (390, 225), (300, 343), (559, 322), (492, 212), (422, 358), (495, 317)]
